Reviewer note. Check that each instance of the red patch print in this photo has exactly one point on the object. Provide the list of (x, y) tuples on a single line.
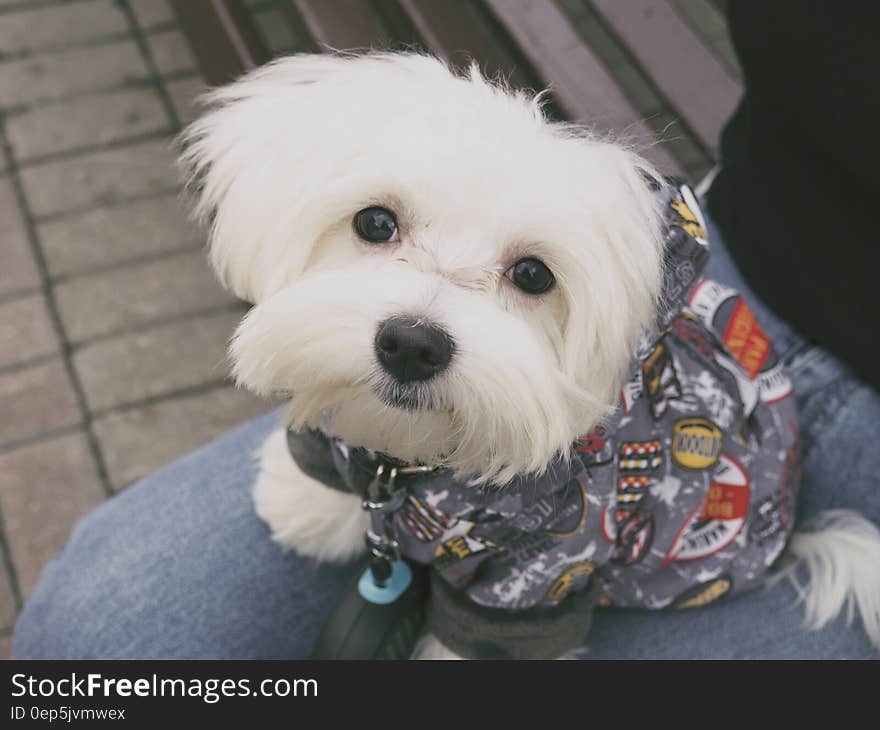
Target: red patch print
[(592, 442), (746, 339), (716, 523)]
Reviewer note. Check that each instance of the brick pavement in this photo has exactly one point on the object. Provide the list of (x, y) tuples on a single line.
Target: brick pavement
[(112, 328)]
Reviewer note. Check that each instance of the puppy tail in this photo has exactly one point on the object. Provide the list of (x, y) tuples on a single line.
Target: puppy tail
[(839, 553)]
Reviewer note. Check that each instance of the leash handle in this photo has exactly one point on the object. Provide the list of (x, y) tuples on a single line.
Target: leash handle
[(369, 622)]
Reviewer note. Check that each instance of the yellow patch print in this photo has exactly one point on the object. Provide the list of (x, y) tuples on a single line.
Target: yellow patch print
[(689, 223), (696, 443), (715, 590), (562, 585)]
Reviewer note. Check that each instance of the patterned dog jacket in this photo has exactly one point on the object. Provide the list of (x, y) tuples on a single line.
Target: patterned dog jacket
[(684, 496)]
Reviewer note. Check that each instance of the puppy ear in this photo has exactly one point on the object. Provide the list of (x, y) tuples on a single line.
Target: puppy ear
[(251, 161), (620, 300)]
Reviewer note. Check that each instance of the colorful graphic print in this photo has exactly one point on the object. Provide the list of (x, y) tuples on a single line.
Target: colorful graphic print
[(718, 520), (683, 496)]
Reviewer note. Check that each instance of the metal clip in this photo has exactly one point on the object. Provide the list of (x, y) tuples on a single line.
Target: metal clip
[(382, 500)]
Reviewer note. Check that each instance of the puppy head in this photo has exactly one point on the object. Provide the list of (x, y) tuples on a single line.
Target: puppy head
[(438, 272)]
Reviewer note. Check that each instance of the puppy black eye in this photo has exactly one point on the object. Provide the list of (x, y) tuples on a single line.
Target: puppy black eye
[(531, 275), (376, 225)]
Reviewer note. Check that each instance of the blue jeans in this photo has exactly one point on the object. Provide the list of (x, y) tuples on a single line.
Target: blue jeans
[(179, 565)]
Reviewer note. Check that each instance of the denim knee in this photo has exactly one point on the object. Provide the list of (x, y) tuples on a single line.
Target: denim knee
[(62, 616)]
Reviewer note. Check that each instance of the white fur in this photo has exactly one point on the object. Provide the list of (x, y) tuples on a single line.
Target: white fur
[(478, 179), (430, 648), (302, 513), (840, 553)]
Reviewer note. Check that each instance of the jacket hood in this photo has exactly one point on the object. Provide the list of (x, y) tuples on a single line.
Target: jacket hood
[(686, 249)]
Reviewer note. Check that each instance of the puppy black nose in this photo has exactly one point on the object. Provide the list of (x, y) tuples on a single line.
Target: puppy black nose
[(410, 349)]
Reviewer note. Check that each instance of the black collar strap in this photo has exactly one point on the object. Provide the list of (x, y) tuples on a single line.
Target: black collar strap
[(365, 467), (364, 464), (345, 469)]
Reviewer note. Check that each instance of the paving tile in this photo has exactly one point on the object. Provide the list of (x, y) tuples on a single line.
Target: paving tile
[(171, 52), (36, 400), (152, 12), (18, 271), (44, 488), (100, 177), (85, 121), (57, 25), (7, 601), (160, 360), (132, 296), (138, 441), (183, 93), (105, 236), (25, 330), (65, 73)]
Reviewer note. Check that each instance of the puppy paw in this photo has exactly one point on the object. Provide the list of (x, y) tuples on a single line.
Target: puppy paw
[(303, 514)]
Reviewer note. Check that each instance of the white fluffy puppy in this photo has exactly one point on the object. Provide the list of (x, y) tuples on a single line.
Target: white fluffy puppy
[(440, 274)]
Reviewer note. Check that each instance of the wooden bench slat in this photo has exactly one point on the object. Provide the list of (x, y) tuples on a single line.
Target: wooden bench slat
[(339, 24), (222, 36), (459, 31), (579, 81), (449, 31), (533, 39), (696, 84), (465, 31)]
